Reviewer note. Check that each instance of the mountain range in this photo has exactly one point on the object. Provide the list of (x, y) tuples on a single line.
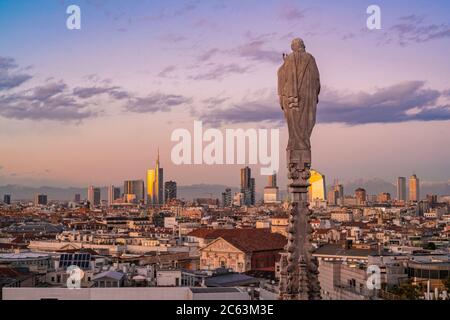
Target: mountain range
[(372, 186)]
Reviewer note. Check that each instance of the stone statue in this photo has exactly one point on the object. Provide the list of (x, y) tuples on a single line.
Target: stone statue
[(298, 90)]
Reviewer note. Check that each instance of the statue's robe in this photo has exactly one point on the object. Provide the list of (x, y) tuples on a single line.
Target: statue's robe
[(299, 88)]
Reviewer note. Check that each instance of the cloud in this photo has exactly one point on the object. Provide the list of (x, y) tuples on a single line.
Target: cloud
[(172, 37), (218, 72), (186, 8), (204, 23), (214, 101), (413, 29), (56, 101), (254, 49), (10, 77), (406, 101), (89, 92), (166, 71), (50, 101), (406, 30), (245, 112), (156, 102), (206, 56), (291, 13), (53, 100)]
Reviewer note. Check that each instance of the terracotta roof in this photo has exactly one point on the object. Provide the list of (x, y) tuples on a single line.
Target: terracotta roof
[(322, 231), (249, 240), (201, 233), (361, 225)]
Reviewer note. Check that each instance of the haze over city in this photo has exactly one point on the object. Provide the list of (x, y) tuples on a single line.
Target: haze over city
[(73, 113), (236, 153)]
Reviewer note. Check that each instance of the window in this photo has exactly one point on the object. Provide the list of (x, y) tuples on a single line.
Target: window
[(352, 282)]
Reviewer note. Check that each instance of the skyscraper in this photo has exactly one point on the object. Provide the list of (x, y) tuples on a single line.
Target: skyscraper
[(159, 180), (77, 198), (90, 195), (40, 200), (7, 199), (252, 191), (271, 194), (401, 188), (247, 186), (360, 195), (336, 195), (245, 177), (94, 196), (384, 197), (136, 188), (272, 180), (113, 194), (155, 184), (226, 198), (339, 188), (317, 189), (150, 186), (414, 188), (170, 191)]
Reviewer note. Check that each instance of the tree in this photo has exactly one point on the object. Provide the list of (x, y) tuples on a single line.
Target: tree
[(408, 291), (447, 284), (430, 246)]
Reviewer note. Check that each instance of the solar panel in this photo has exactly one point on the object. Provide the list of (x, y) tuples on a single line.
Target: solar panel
[(81, 260)]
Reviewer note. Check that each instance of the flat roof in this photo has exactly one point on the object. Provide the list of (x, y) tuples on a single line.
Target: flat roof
[(24, 255), (214, 290)]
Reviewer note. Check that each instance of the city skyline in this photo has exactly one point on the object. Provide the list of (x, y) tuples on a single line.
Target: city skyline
[(134, 191), (225, 150), (229, 69)]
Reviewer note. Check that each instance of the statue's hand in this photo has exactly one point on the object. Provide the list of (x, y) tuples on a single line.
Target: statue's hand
[(293, 102)]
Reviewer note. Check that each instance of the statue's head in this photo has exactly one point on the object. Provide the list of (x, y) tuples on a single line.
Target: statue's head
[(297, 45)]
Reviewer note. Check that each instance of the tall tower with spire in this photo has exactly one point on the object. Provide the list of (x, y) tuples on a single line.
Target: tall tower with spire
[(155, 184), (159, 182)]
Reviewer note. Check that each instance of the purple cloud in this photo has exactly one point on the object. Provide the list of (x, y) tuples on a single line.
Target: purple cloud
[(46, 102), (255, 49), (156, 102), (166, 71), (219, 72), (407, 101), (9, 76)]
